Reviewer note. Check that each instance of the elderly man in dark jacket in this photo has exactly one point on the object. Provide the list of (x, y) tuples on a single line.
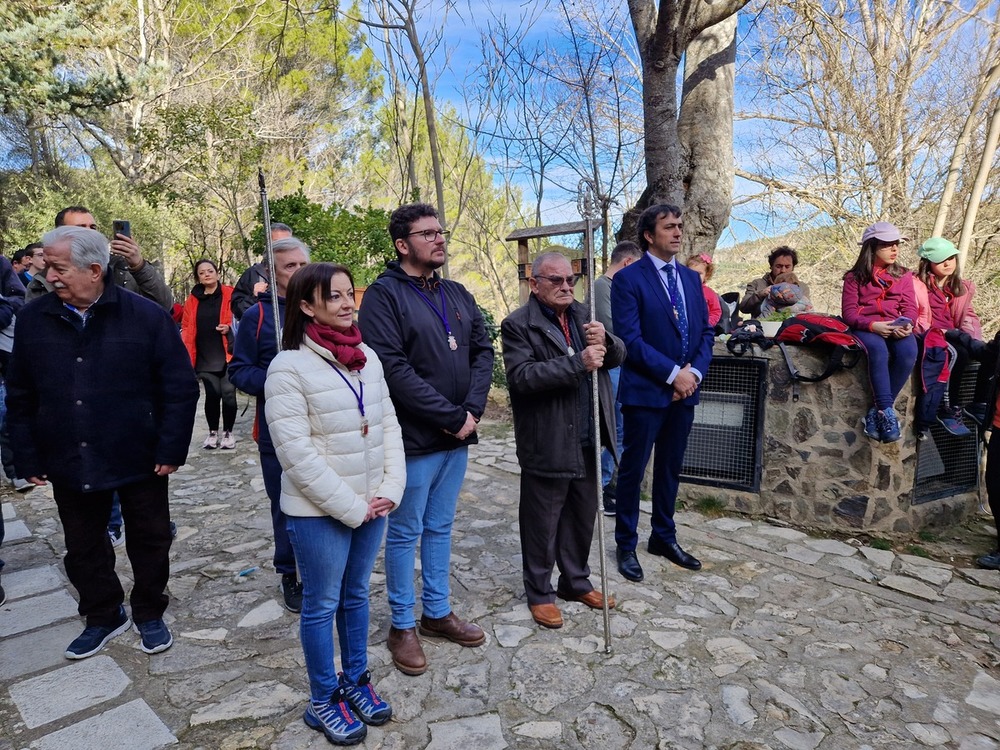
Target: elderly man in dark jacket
[(551, 351), (102, 397)]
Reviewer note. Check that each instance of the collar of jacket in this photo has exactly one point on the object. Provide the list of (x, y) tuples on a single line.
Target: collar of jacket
[(538, 319)]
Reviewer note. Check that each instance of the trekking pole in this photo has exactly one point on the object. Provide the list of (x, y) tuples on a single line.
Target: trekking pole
[(589, 210), (269, 254)]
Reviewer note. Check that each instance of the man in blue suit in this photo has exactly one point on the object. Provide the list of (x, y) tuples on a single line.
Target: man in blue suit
[(660, 313)]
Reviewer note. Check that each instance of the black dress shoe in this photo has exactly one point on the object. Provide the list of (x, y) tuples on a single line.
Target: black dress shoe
[(674, 553), (628, 564)]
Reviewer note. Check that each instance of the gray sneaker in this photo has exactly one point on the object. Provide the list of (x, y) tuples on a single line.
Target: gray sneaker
[(22, 485)]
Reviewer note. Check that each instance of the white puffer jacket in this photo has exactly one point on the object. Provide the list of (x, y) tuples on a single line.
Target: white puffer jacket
[(328, 466)]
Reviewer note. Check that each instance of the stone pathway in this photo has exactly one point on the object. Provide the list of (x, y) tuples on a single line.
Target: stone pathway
[(780, 641)]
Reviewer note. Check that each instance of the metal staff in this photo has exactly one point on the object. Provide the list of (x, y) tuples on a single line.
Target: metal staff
[(269, 254), (589, 210)]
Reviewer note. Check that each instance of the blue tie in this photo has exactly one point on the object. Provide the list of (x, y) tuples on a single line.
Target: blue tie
[(678, 303)]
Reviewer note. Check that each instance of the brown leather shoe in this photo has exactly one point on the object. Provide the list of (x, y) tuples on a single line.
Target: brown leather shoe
[(407, 654), (547, 615), (455, 630), (593, 599)]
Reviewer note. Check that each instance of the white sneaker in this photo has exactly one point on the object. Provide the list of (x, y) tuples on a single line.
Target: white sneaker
[(228, 442), (212, 441), (22, 485)]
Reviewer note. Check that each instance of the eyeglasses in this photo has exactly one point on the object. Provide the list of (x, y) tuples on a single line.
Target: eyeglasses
[(560, 280), (430, 235)]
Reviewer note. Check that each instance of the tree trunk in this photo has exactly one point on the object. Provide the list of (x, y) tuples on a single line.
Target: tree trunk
[(989, 151), (705, 130)]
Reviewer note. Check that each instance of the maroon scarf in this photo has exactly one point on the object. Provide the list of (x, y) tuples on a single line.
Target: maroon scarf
[(342, 345)]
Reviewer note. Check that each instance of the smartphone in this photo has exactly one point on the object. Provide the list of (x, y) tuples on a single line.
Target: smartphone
[(902, 322), (118, 226)]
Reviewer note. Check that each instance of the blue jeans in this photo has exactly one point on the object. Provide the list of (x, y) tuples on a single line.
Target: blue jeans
[(284, 554), (425, 514), (116, 512), (890, 364), (607, 460), (335, 565)]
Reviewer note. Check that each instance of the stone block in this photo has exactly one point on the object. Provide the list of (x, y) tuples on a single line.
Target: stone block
[(37, 650), (65, 691), (481, 732), (15, 530), (8, 511), (22, 615), (134, 721), (21, 583)]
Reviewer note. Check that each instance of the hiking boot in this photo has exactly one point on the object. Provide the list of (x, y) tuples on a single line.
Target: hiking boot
[(96, 637), (336, 720), (990, 561), (228, 442), (951, 419), (366, 703), (116, 535), (291, 592), (871, 424), (888, 425), (155, 637), (212, 441)]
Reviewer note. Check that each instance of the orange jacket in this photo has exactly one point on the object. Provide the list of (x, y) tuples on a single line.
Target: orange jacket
[(190, 320)]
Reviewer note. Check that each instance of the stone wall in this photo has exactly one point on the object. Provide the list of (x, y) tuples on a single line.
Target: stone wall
[(819, 469)]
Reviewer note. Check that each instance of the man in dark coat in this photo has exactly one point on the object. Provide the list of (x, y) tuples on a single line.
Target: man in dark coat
[(102, 398), (253, 282), (431, 339), (551, 351), (256, 345)]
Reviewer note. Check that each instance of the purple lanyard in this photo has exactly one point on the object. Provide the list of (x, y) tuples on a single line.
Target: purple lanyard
[(442, 313), (358, 395)]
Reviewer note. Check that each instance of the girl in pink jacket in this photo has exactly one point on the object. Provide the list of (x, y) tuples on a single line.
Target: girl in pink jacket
[(878, 303), (944, 307)]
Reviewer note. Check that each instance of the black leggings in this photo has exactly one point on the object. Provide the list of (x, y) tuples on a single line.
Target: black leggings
[(218, 390)]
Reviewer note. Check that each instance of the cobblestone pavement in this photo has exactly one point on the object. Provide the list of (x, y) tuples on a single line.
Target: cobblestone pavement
[(780, 641)]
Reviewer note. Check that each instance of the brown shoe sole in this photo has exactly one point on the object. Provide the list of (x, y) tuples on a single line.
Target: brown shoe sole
[(435, 634), (411, 671), (550, 624)]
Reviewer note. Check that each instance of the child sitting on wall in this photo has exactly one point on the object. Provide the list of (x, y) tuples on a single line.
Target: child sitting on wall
[(704, 267), (785, 294)]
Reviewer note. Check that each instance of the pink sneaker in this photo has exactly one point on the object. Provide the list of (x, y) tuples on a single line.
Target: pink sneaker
[(228, 442), (212, 441)]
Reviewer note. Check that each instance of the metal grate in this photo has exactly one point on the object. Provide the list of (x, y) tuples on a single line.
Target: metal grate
[(726, 441), (949, 465)]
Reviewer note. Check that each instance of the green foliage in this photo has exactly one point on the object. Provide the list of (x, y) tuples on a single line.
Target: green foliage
[(35, 74), (879, 543), (499, 378), (358, 239), (710, 505), (917, 550), (780, 315)]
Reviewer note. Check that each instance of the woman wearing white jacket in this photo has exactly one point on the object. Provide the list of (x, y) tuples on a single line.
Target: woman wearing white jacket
[(343, 469)]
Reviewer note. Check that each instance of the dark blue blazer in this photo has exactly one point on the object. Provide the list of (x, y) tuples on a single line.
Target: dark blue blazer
[(644, 320)]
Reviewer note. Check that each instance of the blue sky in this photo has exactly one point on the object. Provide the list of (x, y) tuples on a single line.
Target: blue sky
[(462, 31)]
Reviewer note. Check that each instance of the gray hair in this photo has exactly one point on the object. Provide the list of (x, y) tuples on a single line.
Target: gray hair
[(86, 246), (290, 243), (279, 227), (544, 258)]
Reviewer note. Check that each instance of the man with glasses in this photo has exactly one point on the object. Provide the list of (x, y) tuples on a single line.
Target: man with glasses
[(127, 268), (551, 351), (661, 315), (431, 339)]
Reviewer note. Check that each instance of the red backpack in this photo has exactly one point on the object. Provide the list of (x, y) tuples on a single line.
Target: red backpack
[(808, 329)]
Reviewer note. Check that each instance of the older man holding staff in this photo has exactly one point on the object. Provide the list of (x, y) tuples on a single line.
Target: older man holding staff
[(551, 351)]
